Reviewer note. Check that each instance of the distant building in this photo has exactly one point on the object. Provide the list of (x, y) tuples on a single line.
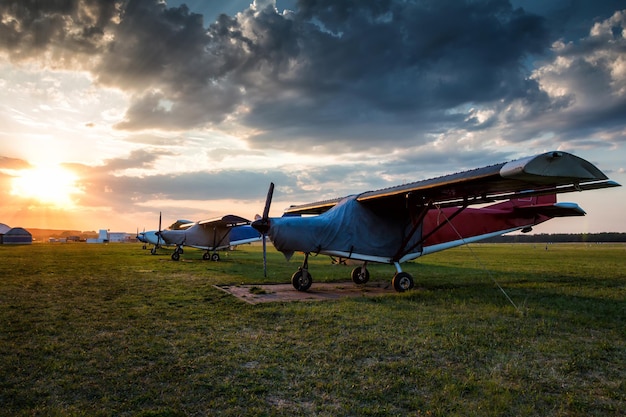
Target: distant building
[(3, 229), (17, 236), (104, 236)]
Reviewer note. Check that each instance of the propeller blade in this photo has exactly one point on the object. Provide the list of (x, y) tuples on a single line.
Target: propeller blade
[(262, 225), (159, 234), (268, 201)]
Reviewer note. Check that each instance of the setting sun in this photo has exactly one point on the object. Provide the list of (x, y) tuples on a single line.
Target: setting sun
[(50, 185)]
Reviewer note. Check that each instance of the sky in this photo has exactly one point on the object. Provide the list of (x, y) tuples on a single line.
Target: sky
[(112, 112)]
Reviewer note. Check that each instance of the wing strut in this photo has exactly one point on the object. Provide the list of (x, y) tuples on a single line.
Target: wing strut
[(404, 250), (417, 223)]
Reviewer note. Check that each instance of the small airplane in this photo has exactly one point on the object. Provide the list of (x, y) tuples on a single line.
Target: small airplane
[(152, 237), (211, 235), (401, 223)]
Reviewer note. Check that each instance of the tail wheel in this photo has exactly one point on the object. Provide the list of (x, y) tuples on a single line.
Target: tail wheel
[(301, 280), (360, 275), (402, 281)]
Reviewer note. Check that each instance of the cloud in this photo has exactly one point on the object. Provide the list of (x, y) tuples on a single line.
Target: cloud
[(324, 65), (582, 88), (62, 30), (349, 76), (13, 163)]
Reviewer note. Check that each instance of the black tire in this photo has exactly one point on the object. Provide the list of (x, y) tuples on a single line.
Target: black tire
[(206, 256), (402, 282), (175, 256), (215, 257), (360, 275), (301, 280)]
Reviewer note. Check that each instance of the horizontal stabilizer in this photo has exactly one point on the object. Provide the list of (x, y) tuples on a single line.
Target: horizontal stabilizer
[(554, 210)]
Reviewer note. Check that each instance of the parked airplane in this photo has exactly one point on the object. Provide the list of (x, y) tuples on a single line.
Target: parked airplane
[(211, 235), (152, 237), (404, 222)]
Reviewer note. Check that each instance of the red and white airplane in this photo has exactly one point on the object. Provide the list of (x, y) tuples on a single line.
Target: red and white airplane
[(401, 223)]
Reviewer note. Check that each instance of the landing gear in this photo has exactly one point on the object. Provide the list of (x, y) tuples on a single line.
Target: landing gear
[(212, 256), (177, 252), (301, 279), (402, 281), (360, 274)]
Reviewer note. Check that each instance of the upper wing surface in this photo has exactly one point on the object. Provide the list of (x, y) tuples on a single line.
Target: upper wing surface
[(548, 173), (229, 220)]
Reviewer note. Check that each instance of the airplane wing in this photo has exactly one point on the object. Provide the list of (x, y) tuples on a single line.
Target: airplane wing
[(181, 224), (229, 220), (549, 173)]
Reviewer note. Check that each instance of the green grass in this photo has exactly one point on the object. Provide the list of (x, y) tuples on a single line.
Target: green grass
[(109, 330)]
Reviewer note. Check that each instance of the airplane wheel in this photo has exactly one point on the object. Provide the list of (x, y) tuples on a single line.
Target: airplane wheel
[(175, 256), (301, 280), (144, 247), (360, 275), (402, 281), (206, 256), (215, 257)]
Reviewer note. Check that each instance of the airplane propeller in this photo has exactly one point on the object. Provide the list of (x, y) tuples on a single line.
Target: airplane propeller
[(159, 234), (262, 225)]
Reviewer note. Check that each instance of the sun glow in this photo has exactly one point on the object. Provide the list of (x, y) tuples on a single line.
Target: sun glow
[(50, 185)]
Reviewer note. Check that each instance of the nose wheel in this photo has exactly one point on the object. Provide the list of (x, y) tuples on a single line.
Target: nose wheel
[(360, 274), (301, 279)]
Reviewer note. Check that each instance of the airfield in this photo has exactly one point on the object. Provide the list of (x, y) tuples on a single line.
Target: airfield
[(112, 330)]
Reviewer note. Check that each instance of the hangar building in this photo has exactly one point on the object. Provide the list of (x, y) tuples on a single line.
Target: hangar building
[(14, 236)]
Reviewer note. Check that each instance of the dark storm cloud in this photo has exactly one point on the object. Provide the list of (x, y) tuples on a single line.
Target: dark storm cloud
[(326, 63), (395, 66), (350, 75), (66, 27), (585, 84)]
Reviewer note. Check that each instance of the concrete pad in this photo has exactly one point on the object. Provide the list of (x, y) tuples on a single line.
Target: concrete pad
[(265, 293)]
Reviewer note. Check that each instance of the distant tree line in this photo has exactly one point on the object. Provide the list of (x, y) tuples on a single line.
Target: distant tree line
[(560, 237)]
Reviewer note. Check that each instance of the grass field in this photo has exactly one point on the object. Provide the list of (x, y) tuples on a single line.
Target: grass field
[(109, 330)]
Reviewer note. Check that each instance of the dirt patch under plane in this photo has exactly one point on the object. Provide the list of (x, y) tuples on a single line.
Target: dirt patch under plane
[(264, 293)]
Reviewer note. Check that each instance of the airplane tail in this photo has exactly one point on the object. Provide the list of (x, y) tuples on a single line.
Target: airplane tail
[(473, 224)]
